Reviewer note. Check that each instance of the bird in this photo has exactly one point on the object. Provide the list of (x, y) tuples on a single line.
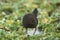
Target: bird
[(30, 20)]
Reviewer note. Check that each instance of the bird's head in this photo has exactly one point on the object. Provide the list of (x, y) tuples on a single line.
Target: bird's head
[(35, 12)]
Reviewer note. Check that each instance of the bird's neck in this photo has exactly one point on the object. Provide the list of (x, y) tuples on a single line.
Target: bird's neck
[(35, 14)]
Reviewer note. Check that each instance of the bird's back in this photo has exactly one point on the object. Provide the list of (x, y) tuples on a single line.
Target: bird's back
[(29, 21)]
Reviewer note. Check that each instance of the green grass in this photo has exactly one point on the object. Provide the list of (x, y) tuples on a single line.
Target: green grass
[(21, 7)]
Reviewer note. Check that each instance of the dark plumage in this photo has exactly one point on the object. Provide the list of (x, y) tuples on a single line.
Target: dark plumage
[(30, 20)]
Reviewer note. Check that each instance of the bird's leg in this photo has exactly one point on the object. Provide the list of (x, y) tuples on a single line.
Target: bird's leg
[(34, 31), (26, 30)]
